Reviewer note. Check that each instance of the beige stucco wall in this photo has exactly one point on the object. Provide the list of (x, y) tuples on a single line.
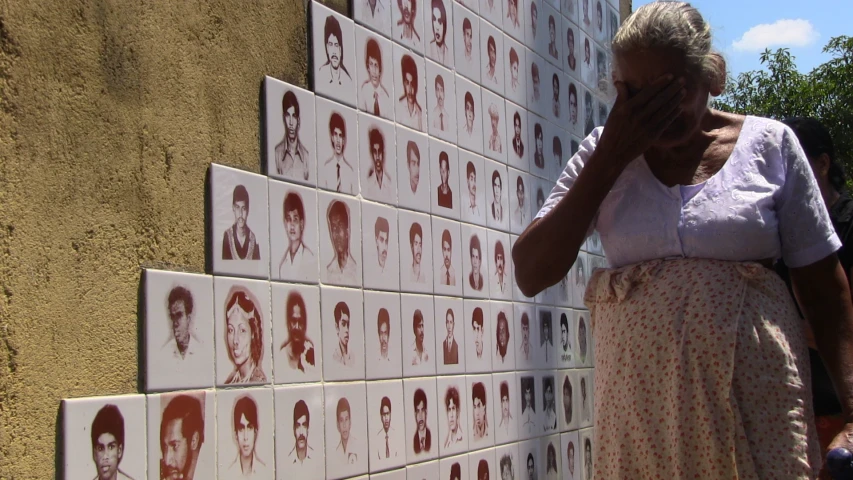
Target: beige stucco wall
[(110, 112)]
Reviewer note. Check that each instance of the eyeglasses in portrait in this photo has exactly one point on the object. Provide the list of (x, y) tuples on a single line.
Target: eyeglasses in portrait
[(472, 186), (333, 42), (481, 464), (337, 147), (482, 419), (570, 455), (378, 159), (104, 437), (374, 73), (413, 170), (297, 352), (294, 244), (449, 335), (409, 88), (179, 330), (381, 246), (505, 394), (441, 100), (343, 333), (467, 44), (299, 430), (182, 435), (444, 179), (245, 434), (383, 335), (290, 136), (386, 424), (340, 246), (242, 336), (453, 410), (418, 335), (421, 417), (346, 429), (478, 358)]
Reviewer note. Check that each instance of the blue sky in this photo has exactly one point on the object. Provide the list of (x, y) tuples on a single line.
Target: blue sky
[(743, 28)]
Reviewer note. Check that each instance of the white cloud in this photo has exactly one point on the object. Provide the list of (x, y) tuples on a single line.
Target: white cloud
[(781, 33)]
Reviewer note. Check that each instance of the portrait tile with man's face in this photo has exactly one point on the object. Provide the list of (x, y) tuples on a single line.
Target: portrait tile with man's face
[(444, 179), (497, 201), (378, 159), (179, 330), (494, 126), (526, 336), (569, 399), (491, 61), (340, 242), (565, 328), (381, 246), (519, 200), (475, 257), (454, 468), (441, 102), (453, 409), (244, 431), (300, 430), (505, 395), (374, 73), (518, 146), (297, 349), (447, 257), (553, 25), (575, 114), (438, 19), (407, 23), (600, 28), (513, 20), (242, 316), (425, 471), (383, 335), (346, 429), (530, 418), (240, 232), (374, 14), (182, 418), (481, 420), (104, 437), (492, 11), (503, 337), (528, 456), (416, 315), (569, 9), (500, 266), (469, 112), (558, 152), (554, 86), (449, 335), (517, 294), (386, 424), (343, 333), (294, 245), (421, 419), (537, 83), (478, 338), (545, 328), (515, 81), (413, 169), (537, 130), (289, 122), (410, 89), (415, 231), (333, 44), (571, 50), (472, 186), (585, 439), (506, 461), (466, 29), (549, 451), (337, 147), (570, 454), (585, 408)]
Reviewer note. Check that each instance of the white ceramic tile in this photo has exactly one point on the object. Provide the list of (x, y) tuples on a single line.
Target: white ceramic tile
[(517, 137), (421, 419), (570, 455), (578, 277), (383, 335), (186, 418), (346, 429), (584, 349), (467, 56), (586, 448), (571, 49), (585, 16), (441, 101), (472, 185), (481, 420), (475, 270), (178, 330), (587, 50), (503, 353), (569, 9), (375, 14), (409, 88), (381, 246), (386, 426), (469, 112), (439, 32), (532, 23), (472, 5), (454, 409), (554, 85), (517, 295), (599, 27), (526, 335), (454, 468), (537, 127), (528, 456), (343, 333), (594, 244), (519, 201), (550, 457), (413, 168), (612, 25), (104, 437), (494, 126), (545, 327), (588, 112), (505, 395), (529, 421), (492, 10), (407, 23), (423, 471), (293, 232), (550, 419), (333, 44), (290, 136), (585, 381), (447, 257), (478, 348), (514, 56), (482, 464), (602, 73), (244, 431), (575, 117), (374, 73), (449, 335), (536, 91), (297, 352), (378, 159), (418, 328), (337, 147), (491, 51), (565, 324), (415, 252), (340, 244), (553, 22), (497, 201), (569, 388), (445, 179), (242, 313), (299, 431), (399, 474), (506, 461), (240, 231), (500, 266)]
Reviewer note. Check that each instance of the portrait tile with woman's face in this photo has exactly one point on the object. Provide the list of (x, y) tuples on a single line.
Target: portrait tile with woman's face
[(472, 186), (413, 167), (418, 329), (300, 430), (290, 136), (378, 159), (188, 419), (500, 266), (244, 431), (333, 41), (386, 424), (494, 129), (492, 61), (421, 419), (374, 73), (469, 115), (589, 75), (570, 455), (453, 409), (441, 102), (439, 32), (478, 336), (415, 233), (297, 349), (343, 333), (503, 337), (346, 429), (515, 81), (475, 258), (337, 147), (381, 246), (340, 243), (466, 29), (497, 201), (294, 244), (444, 175), (242, 331), (383, 335), (449, 335), (481, 420), (505, 395)]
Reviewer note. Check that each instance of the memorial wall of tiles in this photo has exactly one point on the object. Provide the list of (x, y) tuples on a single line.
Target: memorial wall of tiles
[(361, 319)]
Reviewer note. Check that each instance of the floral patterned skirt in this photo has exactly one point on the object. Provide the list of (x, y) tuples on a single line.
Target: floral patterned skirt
[(701, 371)]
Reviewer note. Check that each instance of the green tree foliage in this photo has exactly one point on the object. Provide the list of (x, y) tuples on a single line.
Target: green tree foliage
[(779, 91)]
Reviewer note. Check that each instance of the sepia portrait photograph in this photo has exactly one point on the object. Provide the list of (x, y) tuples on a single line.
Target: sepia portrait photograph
[(570, 455), (453, 411), (447, 257), (439, 28), (415, 252), (299, 431), (515, 80), (343, 333), (104, 437), (481, 419), (374, 14), (337, 147), (500, 266), (374, 73), (554, 40), (518, 147), (421, 410), (441, 101), (494, 128), (386, 425), (475, 270), (407, 23), (505, 393), (244, 430), (556, 111), (478, 338), (383, 335), (491, 58), (340, 242), (449, 335), (346, 429), (498, 213), (294, 244), (550, 458), (179, 330), (297, 351), (469, 112), (514, 19), (454, 468), (242, 338), (444, 176), (418, 328), (481, 464), (503, 353), (413, 170), (378, 159), (409, 89), (533, 36), (536, 127), (467, 56), (289, 122), (571, 63), (575, 116), (181, 422), (519, 201), (240, 233), (333, 44), (472, 187), (381, 246)]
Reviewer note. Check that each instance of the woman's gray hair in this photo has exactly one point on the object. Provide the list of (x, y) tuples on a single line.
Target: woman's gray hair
[(676, 25)]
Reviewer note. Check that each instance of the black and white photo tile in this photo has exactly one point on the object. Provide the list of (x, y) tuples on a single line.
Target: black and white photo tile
[(179, 330), (585, 380), (497, 198), (571, 52), (588, 112), (383, 335), (569, 405), (472, 186), (294, 243), (553, 23), (447, 257), (378, 159), (421, 410), (469, 113), (337, 147), (104, 437), (478, 357), (500, 266), (413, 168), (333, 44), (515, 79), (386, 425), (242, 315), (578, 276), (454, 468), (554, 84), (545, 328), (505, 395), (445, 179), (449, 335), (550, 457), (518, 147), (441, 101), (481, 420), (599, 26), (439, 32), (475, 270), (494, 129), (466, 25), (374, 14), (536, 128), (374, 73), (526, 335), (415, 252), (381, 246), (548, 403), (346, 429), (418, 328), (482, 464), (588, 74), (507, 462), (409, 88), (180, 418), (570, 453), (407, 23), (530, 418), (565, 320), (453, 408), (296, 326), (575, 115), (289, 122), (585, 438), (503, 353), (340, 243), (492, 11), (244, 433), (423, 471), (343, 333), (299, 431), (240, 231), (491, 61)]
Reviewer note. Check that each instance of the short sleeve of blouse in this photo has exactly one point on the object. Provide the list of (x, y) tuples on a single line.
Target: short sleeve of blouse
[(805, 230)]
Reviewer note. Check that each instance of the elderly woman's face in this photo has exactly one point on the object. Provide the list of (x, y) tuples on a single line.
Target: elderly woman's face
[(239, 336)]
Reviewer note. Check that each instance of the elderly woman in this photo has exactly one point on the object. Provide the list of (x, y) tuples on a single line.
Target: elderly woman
[(702, 368), (244, 337)]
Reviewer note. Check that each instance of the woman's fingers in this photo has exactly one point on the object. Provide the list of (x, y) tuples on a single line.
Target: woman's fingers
[(650, 91), (674, 92)]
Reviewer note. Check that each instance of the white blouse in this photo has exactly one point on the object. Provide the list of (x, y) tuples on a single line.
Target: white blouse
[(764, 203)]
